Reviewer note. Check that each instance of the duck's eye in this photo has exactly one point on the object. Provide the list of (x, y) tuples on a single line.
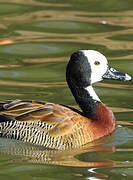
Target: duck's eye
[(96, 63)]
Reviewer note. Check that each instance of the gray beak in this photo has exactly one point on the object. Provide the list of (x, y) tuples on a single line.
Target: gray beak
[(111, 73)]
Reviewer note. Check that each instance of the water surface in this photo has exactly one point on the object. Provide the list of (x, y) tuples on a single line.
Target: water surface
[(41, 36)]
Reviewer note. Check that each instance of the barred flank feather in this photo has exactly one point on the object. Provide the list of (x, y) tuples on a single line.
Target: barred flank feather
[(41, 123)]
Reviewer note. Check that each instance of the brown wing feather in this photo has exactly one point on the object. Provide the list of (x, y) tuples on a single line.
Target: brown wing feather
[(64, 127), (18, 107), (63, 119)]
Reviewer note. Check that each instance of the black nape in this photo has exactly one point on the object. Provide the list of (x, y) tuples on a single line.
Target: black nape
[(84, 100), (78, 76), (79, 70)]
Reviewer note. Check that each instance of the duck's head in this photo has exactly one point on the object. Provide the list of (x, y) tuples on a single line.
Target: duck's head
[(89, 66)]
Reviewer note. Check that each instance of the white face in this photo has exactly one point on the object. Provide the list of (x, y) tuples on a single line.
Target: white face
[(98, 63)]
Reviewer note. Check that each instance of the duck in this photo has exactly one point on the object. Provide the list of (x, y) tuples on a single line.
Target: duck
[(60, 127)]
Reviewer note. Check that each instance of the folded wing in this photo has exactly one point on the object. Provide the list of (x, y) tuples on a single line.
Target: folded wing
[(61, 119)]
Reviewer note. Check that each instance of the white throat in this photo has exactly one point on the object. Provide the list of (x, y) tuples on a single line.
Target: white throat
[(92, 93)]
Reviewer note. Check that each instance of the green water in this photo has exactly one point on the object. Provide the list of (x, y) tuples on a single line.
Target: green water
[(44, 33)]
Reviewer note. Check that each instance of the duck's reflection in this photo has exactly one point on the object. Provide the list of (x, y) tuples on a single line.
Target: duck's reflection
[(87, 156), (95, 154)]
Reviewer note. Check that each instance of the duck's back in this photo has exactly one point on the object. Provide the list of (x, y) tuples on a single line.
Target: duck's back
[(50, 125)]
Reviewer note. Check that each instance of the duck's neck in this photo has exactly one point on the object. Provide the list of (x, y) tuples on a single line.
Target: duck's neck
[(86, 98), (92, 93)]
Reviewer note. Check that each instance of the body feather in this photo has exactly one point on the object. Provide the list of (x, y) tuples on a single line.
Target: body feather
[(41, 123)]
